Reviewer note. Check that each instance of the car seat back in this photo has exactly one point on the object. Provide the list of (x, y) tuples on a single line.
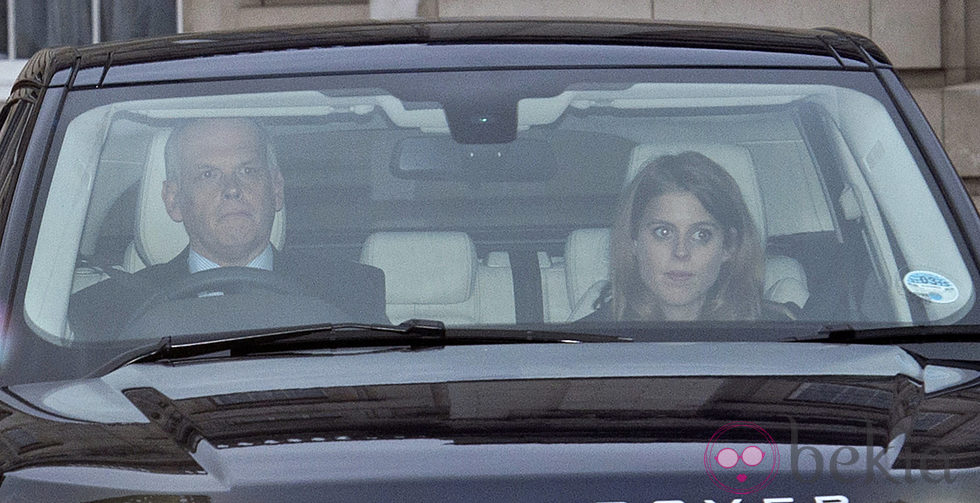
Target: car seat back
[(437, 275)]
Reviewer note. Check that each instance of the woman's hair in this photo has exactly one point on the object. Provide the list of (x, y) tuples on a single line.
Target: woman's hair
[(737, 293)]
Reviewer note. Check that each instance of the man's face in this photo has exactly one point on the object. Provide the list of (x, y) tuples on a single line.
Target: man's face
[(225, 193)]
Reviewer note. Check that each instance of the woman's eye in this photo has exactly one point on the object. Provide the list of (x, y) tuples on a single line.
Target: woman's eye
[(251, 172), (702, 235), (207, 174), (662, 232)]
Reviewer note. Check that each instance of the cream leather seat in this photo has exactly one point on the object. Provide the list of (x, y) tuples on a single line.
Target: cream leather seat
[(587, 250), (437, 275)]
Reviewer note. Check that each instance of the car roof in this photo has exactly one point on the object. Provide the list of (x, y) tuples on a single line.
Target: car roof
[(609, 42)]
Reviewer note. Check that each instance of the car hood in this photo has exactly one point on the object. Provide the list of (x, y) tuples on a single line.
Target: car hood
[(623, 422)]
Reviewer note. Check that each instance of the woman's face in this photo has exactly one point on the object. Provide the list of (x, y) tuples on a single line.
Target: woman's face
[(679, 250)]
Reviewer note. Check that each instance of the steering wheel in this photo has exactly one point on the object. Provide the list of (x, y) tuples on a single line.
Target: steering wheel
[(223, 281)]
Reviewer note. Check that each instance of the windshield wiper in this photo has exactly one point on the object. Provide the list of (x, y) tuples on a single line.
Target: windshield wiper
[(847, 334), (413, 333)]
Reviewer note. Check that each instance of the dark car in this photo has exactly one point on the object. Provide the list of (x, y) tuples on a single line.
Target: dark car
[(523, 260)]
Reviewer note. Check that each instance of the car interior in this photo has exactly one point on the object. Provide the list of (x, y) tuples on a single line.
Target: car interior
[(518, 232)]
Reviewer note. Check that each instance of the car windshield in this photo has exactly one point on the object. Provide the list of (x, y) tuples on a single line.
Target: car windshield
[(585, 198)]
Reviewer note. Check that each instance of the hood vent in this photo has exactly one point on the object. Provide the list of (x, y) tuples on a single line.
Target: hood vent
[(843, 394)]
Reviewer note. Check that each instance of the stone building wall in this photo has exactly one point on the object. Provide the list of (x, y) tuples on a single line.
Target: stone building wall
[(935, 44)]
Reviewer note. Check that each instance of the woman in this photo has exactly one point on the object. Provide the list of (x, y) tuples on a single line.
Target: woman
[(684, 248)]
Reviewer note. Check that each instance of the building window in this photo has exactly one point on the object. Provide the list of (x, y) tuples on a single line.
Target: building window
[(290, 3), (36, 24), (126, 19)]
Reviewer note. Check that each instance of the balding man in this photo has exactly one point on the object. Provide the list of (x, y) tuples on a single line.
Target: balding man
[(224, 186)]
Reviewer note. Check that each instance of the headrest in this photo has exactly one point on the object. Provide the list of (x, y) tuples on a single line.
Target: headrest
[(423, 267), (785, 281), (158, 238), (735, 159), (586, 260)]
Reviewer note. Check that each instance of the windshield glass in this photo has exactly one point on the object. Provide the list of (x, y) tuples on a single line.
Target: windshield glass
[(492, 198)]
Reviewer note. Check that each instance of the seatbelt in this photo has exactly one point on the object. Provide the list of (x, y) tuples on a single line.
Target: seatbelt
[(526, 274)]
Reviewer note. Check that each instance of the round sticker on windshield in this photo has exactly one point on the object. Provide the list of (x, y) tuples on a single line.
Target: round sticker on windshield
[(931, 287)]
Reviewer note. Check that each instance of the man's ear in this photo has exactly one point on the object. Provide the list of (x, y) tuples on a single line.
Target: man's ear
[(169, 195), (277, 189)]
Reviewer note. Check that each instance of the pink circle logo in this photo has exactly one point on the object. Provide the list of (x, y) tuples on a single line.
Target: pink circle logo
[(741, 458)]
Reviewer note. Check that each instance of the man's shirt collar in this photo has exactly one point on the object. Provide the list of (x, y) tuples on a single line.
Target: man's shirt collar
[(197, 262)]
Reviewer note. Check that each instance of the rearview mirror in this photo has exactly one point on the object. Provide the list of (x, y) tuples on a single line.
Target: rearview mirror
[(441, 158)]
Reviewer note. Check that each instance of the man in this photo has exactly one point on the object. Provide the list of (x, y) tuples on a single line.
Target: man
[(223, 185), (223, 188)]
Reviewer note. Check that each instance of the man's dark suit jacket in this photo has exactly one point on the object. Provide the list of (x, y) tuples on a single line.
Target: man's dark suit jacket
[(354, 288)]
